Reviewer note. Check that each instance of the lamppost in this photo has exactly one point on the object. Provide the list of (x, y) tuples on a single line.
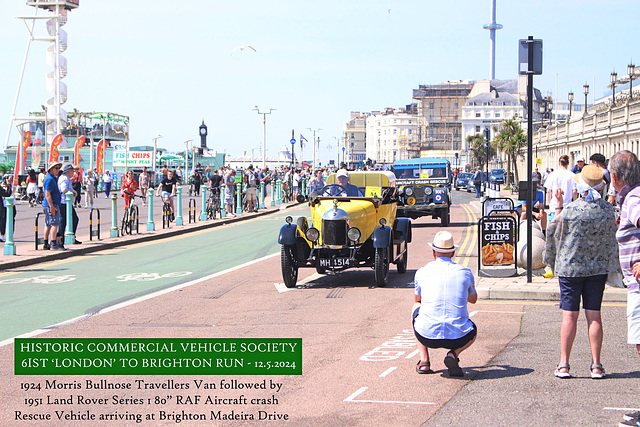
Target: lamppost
[(153, 158), (44, 142), (186, 157), (264, 133), (631, 69), (585, 89), (314, 145), (614, 79), (570, 104), (343, 148)]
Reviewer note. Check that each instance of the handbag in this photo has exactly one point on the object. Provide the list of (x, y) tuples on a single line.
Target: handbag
[(615, 280)]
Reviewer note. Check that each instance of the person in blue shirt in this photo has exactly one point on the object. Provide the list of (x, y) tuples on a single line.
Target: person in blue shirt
[(440, 316), (51, 207)]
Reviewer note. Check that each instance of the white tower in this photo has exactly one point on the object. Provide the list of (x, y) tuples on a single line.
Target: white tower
[(492, 27)]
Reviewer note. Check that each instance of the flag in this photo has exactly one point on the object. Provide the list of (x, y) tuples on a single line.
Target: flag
[(36, 149), (76, 151), (26, 141), (54, 155), (100, 155)]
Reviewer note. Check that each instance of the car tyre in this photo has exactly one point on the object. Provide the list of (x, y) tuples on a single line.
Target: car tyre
[(289, 267), (321, 270), (445, 217), (402, 264), (381, 266)]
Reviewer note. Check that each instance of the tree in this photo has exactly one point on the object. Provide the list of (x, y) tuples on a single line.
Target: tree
[(511, 139), (476, 145)]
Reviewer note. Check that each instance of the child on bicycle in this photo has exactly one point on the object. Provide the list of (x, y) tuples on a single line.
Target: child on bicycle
[(168, 189), (129, 185)]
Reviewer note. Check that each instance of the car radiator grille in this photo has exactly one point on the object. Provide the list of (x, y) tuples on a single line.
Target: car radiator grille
[(334, 232)]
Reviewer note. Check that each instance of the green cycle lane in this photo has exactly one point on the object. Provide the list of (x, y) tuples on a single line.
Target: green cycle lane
[(56, 292)]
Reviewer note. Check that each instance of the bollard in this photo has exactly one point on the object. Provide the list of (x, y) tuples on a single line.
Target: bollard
[(9, 245), (273, 193), (179, 220), (262, 187), (203, 213), (238, 198), (38, 239), (69, 237), (151, 226), (192, 210), (114, 216), (91, 231), (278, 192), (223, 212)]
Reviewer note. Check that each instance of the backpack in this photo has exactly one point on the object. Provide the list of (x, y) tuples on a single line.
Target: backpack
[(251, 179)]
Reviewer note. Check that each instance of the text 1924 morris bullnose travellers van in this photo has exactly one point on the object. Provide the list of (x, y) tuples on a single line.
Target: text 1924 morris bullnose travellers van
[(348, 231)]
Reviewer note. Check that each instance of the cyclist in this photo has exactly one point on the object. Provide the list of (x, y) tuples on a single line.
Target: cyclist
[(129, 185), (168, 189)]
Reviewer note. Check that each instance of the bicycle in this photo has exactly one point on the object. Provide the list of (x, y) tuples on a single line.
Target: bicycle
[(213, 203), (130, 219)]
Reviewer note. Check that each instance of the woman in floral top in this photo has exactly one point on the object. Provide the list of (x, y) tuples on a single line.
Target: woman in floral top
[(581, 250)]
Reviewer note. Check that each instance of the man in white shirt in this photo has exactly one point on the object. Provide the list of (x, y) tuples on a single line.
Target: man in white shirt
[(561, 178), (65, 186), (440, 316)]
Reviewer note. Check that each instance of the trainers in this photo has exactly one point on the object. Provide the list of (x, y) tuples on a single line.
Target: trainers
[(57, 247), (77, 242), (632, 416), (46, 246), (633, 423)]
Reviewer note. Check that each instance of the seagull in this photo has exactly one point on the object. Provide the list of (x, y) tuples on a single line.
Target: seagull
[(243, 48)]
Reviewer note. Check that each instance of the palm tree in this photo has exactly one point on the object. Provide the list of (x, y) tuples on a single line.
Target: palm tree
[(476, 144), (511, 139)]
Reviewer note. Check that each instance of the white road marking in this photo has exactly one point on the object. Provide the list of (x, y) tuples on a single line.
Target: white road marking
[(622, 409), (137, 300), (473, 313), (387, 372), (413, 353), (363, 389), (281, 287)]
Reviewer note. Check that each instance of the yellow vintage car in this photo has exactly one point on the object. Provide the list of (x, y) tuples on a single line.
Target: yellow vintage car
[(352, 225)]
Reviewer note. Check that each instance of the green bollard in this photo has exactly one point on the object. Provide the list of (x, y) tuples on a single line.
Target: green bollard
[(273, 193), (69, 237), (239, 198), (9, 245), (179, 220), (203, 213), (223, 212), (114, 216), (279, 192), (151, 226)]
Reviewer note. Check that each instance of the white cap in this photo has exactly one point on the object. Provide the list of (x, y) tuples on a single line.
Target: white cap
[(342, 172), (579, 158)]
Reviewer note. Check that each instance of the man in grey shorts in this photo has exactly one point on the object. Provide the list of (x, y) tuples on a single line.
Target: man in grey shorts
[(51, 208)]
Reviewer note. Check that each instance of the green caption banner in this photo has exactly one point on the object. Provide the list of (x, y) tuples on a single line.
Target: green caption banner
[(158, 356)]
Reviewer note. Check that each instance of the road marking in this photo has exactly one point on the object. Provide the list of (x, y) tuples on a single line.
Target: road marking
[(473, 313), (413, 353), (281, 287), (621, 409), (387, 372), (137, 300), (507, 312), (363, 389)]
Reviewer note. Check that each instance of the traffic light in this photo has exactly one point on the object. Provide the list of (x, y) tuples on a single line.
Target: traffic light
[(487, 134)]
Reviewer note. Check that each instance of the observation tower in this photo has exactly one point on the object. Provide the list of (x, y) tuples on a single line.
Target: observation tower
[(492, 27)]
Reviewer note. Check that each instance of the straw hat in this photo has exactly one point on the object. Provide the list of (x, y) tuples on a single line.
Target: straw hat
[(54, 164), (443, 242), (591, 175)]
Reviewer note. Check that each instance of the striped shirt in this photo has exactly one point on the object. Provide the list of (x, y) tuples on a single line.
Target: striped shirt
[(628, 236)]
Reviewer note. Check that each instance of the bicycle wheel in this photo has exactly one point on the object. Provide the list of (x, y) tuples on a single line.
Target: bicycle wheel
[(126, 224), (133, 220)]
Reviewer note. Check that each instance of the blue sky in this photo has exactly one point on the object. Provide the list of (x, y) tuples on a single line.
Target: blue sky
[(169, 65)]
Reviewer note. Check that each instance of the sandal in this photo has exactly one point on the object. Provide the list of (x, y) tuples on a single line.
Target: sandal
[(558, 372), (423, 368), (596, 375), (452, 365)]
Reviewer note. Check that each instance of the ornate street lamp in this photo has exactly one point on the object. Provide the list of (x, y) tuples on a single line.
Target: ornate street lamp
[(614, 79), (585, 88), (631, 69), (570, 104)]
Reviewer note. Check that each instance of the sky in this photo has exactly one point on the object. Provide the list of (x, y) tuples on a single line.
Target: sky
[(171, 65)]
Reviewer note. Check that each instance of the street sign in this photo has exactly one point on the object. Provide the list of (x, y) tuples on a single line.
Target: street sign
[(292, 141), (523, 56), (502, 204), (538, 161)]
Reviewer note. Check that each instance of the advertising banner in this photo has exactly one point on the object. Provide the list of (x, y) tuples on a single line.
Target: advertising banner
[(26, 142), (135, 159), (54, 155), (497, 240), (100, 156), (76, 152)]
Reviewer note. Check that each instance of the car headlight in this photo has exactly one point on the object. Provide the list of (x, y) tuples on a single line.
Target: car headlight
[(353, 234), (313, 234), (428, 191), (408, 191)]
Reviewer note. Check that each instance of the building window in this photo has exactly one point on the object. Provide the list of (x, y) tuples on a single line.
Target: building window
[(477, 129), (455, 118), (431, 105), (456, 105), (478, 115), (395, 131), (410, 131), (577, 108), (497, 115), (565, 107)]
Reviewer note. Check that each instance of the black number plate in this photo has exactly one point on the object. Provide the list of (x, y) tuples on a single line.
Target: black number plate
[(334, 262)]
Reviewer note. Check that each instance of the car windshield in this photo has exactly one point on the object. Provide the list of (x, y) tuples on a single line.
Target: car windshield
[(497, 172), (420, 171), (465, 175), (359, 184)]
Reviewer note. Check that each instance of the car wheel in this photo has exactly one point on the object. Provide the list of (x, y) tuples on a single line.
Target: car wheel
[(321, 270), (381, 266), (289, 267), (402, 264), (445, 218)]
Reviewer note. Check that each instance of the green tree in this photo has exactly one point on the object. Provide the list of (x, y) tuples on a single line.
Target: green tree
[(479, 151), (511, 139)]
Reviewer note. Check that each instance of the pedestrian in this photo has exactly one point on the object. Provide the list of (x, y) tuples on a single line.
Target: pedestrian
[(51, 208), (600, 161), (41, 176), (179, 175), (440, 316), (545, 175), (296, 184), (5, 191), (317, 183), (76, 181), (229, 190), (625, 177), (581, 250), (251, 179), (579, 164), (536, 177), (66, 186), (562, 179), (196, 178), (478, 178), (89, 189), (96, 181), (143, 184), (107, 180), (32, 187)]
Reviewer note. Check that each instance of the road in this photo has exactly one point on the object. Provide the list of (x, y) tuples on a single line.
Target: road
[(358, 352)]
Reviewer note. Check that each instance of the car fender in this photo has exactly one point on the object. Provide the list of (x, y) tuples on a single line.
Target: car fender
[(382, 237), (402, 230), (287, 234)]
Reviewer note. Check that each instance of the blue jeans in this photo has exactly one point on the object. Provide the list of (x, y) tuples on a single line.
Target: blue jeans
[(478, 191), (107, 188)]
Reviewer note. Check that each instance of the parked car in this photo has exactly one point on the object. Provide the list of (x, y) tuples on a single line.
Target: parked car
[(497, 176), (463, 180), (348, 232), (472, 188)]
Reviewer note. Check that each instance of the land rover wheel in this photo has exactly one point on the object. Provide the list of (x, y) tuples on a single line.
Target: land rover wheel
[(402, 264), (445, 217), (381, 266), (289, 267)]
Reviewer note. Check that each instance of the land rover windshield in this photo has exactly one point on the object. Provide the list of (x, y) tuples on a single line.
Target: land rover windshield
[(420, 171)]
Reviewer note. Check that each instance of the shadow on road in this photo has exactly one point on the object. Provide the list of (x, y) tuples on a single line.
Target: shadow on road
[(438, 225), (494, 372), (359, 279)]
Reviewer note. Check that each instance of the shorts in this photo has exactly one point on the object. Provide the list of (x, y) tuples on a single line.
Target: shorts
[(590, 288), (633, 317), (49, 219), (448, 344), (166, 194), (252, 194)]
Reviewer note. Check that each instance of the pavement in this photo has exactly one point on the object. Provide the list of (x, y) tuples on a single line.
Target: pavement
[(512, 288)]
